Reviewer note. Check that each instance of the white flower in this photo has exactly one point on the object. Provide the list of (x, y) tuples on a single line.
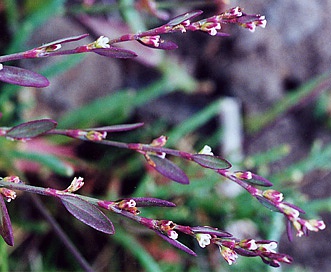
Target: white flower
[(172, 234), (131, 203), (75, 185), (269, 247), (203, 239), (228, 254), (1, 66), (206, 150), (102, 42)]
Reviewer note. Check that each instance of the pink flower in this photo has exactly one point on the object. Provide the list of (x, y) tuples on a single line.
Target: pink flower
[(228, 254)]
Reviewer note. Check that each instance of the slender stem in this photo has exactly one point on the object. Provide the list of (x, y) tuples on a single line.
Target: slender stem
[(62, 235)]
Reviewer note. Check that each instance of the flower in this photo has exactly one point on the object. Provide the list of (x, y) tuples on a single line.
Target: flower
[(243, 175), (102, 42), (14, 179), (249, 244), (228, 254), (211, 27), (302, 225), (1, 66), (153, 41), (167, 227), (75, 185), (206, 150), (172, 234), (273, 195), (96, 135), (266, 246), (8, 194), (203, 239)]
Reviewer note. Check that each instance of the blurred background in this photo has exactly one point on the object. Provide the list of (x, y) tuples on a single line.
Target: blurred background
[(261, 100)]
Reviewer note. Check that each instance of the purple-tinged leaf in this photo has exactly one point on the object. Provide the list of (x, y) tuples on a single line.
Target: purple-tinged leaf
[(246, 252), (212, 162), (294, 207), (152, 202), (267, 203), (6, 230), (176, 243), (22, 77), (211, 231), (167, 45), (253, 179), (31, 129), (169, 169), (117, 128), (64, 40), (115, 52), (163, 45), (87, 213), (289, 230), (183, 17)]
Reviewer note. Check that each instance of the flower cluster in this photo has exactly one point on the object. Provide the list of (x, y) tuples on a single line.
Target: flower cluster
[(273, 200)]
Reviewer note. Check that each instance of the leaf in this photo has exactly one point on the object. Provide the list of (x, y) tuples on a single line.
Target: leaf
[(152, 202), (176, 243), (31, 129), (64, 40), (87, 213), (22, 77), (267, 203), (6, 230), (258, 180), (212, 162), (211, 231), (115, 52), (117, 128), (169, 169), (183, 17)]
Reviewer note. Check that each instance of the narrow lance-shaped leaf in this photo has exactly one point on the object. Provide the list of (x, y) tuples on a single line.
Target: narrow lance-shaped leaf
[(22, 77), (152, 202), (212, 162), (6, 230), (253, 179), (115, 52), (211, 231), (168, 169), (176, 244), (64, 40), (183, 17), (87, 213), (117, 128), (267, 203), (31, 129)]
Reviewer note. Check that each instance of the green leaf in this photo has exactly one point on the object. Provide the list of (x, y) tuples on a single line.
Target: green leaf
[(87, 213), (31, 129), (209, 161)]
